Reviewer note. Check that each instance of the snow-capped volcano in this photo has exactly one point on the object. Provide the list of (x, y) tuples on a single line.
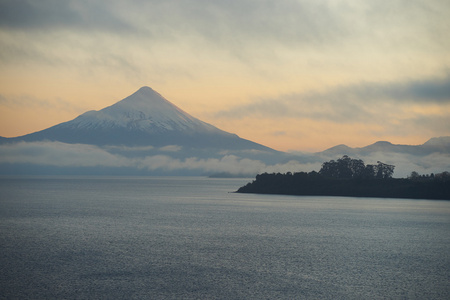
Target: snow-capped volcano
[(145, 110), (143, 118)]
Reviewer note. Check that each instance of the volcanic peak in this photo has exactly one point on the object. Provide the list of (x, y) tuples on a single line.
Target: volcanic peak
[(145, 110)]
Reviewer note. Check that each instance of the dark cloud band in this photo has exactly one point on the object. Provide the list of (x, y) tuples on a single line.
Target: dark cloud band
[(352, 103)]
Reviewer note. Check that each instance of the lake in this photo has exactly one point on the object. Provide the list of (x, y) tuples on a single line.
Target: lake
[(190, 238)]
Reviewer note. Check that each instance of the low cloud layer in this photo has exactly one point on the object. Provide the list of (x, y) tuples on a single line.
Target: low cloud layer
[(79, 155), (63, 155), (59, 154)]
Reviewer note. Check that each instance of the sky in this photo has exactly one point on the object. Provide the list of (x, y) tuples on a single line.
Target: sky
[(293, 75)]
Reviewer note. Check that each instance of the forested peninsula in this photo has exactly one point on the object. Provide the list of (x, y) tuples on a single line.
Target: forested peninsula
[(349, 177)]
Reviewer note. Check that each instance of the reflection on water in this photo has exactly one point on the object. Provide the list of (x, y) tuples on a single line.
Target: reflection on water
[(172, 238)]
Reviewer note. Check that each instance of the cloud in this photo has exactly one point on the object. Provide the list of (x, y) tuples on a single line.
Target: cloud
[(80, 155), (228, 163), (32, 102), (239, 26), (115, 33), (52, 14), (435, 90), (213, 20), (260, 41), (353, 103), (59, 154), (171, 148), (129, 149)]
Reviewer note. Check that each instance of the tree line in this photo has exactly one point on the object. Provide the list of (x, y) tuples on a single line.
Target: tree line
[(347, 168), (352, 177)]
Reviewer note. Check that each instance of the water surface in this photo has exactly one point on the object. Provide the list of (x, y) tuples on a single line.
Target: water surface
[(190, 238)]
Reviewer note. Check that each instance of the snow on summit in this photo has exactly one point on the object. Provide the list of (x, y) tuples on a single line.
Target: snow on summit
[(144, 110)]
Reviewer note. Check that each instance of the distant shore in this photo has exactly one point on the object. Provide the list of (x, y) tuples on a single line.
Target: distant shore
[(304, 184)]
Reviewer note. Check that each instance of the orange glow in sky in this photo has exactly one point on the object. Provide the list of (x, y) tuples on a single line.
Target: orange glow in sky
[(292, 75)]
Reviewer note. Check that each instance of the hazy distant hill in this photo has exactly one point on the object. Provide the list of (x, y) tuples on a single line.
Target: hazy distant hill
[(434, 145), (431, 157)]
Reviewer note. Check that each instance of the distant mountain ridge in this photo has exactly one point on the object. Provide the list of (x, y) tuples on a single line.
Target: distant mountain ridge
[(141, 119), (434, 145)]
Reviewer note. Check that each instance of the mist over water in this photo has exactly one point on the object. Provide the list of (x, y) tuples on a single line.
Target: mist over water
[(190, 238)]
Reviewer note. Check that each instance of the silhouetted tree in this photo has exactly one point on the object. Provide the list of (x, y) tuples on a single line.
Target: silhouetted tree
[(358, 168), (344, 167), (329, 169), (443, 177), (384, 171), (368, 172), (414, 175)]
